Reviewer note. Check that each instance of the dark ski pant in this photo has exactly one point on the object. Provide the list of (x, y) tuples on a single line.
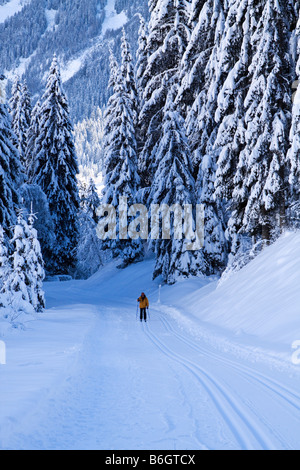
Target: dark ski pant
[(143, 314)]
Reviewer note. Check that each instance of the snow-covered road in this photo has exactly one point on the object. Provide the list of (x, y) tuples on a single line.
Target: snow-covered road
[(152, 385)]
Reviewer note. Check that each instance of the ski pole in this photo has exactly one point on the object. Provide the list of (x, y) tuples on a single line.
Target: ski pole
[(137, 311)]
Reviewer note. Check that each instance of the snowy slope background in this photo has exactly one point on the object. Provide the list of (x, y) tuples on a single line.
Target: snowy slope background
[(9, 8), (31, 31)]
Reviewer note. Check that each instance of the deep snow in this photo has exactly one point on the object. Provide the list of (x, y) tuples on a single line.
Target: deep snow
[(212, 369), (113, 20), (11, 8)]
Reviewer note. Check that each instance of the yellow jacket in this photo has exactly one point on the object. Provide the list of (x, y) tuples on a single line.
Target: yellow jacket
[(143, 302)]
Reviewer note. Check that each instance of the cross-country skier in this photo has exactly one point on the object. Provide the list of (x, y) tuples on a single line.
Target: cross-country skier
[(144, 306)]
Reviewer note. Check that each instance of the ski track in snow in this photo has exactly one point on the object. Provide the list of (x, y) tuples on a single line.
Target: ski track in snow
[(242, 422), (153, 385), (107, 407)]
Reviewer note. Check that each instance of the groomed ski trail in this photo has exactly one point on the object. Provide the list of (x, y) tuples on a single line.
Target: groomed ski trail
[(153, 386)]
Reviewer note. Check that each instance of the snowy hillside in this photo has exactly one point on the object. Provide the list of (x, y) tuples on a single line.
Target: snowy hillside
[(10, 8), (87, 375), (79, 32), (113, 20), (258, 305)]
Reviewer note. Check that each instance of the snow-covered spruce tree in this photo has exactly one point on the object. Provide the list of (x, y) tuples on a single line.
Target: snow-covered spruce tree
[(196, 8), (114, 79), (18, 283), (201, 123), (92, 200), (89, 250), (128, 75), (14, 105), (55, 169), (229, 115), (167, 40), (294, 150), (230, 141), (32, 135), (120, 164), (140, 68), (10, 168), (173, 184), (26, 98), (199, 76), (203, 22), (141, 60), (35, 262), (89, 143), (4, 262), (33, 198), (20, 110), (22, 287), (215, 248), (268, 115), (5, 268)]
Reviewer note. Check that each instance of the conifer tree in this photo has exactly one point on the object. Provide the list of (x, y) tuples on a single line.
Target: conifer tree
[(120, 164), (26, 99), (203, 22), (114, 78), (55, 169), (167, 40), (121, 148), (34, 199), (32, 135), (294, 150), (18, 283), (14, 104), (206, 64), (35, 263), (20, 110), (141, 60), (4, 262), (173, 184), (215, 248), (10, 168), (140, 68), (268, 115), (89, 252), (92, 200), (128, 75), (5, 268), (230, 139), (229, 115)]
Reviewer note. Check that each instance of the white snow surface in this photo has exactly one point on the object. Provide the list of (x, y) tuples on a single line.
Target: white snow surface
[(50, 16), (113, 20), (11, 8), (212, 369), (73, 66)]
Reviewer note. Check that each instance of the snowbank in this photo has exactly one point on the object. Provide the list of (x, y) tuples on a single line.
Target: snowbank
[(39, 359), (257, 307)]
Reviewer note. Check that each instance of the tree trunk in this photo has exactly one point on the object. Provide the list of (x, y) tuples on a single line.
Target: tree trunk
[(265, 229)]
